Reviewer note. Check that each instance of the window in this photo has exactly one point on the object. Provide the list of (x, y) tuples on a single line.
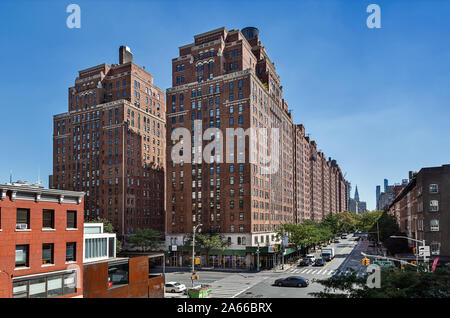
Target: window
[(71, 219), (37, 288), (434, 188), (71, 250), (435, 248), (42, 287), (70, 283), (118, 274), (47, 253), (23, 219), (434, 225), (20, 289), (48, 219), (434, 205), (54, 286), (22, 255)]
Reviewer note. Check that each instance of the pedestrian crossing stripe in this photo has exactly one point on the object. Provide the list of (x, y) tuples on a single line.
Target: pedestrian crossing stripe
[(313, 271)]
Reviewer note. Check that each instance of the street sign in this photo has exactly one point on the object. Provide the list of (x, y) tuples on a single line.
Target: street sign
[(382, 263), (424, 251), (270, 249), (174, 248)]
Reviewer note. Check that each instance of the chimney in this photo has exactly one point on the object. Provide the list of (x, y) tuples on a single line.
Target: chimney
[(125, 55)]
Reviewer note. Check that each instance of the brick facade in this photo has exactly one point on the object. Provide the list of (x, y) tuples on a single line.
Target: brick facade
[(111, 144), (35, 200), (225, 79), (422, 209)]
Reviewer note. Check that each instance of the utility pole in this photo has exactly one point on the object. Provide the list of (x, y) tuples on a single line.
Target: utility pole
[(423, 244), (424, 257), (257, 258), (194, 228), (378, 236)]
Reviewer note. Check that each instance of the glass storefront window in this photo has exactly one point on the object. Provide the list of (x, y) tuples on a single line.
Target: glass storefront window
[(54, 286), (37, 288), (70, 283), (20, 289)]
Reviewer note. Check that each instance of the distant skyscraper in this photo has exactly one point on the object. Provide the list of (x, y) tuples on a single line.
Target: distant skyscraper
[(356, 194), (378, 192), (385, 184)]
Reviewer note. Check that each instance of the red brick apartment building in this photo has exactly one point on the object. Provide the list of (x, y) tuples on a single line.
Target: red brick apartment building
[(225, 79), (111, 145), (41, 242), (422, 209)]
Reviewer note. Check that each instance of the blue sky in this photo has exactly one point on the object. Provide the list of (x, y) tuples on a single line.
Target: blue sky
[(376, 100)]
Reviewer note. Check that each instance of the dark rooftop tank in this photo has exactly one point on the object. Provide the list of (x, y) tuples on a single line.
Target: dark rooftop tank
[(250, 33)]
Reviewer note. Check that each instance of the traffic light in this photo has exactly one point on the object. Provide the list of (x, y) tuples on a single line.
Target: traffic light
[(194, 276), (366, 261), (414, 250)]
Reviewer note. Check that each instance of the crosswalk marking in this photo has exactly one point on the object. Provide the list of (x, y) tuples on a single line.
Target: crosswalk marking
[(234, 285), (310, 271)]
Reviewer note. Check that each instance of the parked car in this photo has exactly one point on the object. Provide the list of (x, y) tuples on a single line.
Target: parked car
[(344, 236), (337, 241), (305, 262), (174, 287), (293, 281), (311, 257), (319, 262)]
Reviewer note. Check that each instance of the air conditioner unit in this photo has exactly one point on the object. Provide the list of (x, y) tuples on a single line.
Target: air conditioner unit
[(21, 226)]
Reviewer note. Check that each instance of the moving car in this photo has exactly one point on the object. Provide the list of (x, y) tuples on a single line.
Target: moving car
[(344, 236), (294, 281), (305, 262), (311, 257), (174, 287), (337, 241), (319, 262)]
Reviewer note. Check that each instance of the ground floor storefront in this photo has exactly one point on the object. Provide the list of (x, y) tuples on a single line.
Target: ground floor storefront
[(245, 259)]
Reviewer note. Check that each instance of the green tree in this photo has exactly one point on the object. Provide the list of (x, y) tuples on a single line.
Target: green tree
[(146, 239), (394, 284), (347, 221), (387, 226), (208, 242), (331, 222), (368, 220)]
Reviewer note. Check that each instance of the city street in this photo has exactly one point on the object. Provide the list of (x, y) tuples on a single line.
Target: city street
[(259, 285)]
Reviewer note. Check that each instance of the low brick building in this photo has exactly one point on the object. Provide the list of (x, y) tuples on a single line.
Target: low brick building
[(41, 242)]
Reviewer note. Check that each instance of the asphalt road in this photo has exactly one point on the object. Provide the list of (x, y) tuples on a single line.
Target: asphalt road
[(257, 285)]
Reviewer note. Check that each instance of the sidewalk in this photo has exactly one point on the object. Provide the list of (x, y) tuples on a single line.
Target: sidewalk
[(169, 269)]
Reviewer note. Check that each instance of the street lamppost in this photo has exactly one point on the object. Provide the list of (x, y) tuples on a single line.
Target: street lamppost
[(419, 241), (194, 228), (257, 258)]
